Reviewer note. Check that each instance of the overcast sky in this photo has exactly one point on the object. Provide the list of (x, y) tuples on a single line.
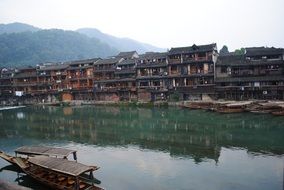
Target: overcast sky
[(163, 23)]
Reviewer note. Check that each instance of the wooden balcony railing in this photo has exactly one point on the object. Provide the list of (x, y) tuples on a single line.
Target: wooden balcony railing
[(174, 61)]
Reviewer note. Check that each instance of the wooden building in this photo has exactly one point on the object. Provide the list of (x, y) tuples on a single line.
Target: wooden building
[(191, 71), (105, 83), (25, 81), (152, 77), (6, 83), (125, 79), (80, 80), (53, 77), (258, 74), (182, 73)]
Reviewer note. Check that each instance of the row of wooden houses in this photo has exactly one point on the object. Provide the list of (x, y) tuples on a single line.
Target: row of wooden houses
[(196, 72)]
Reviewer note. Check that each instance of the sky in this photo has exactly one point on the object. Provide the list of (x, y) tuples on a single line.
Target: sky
[(163, 23)]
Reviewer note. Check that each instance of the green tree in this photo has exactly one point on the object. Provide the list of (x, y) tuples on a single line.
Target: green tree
[(241, 51), (224, 50)]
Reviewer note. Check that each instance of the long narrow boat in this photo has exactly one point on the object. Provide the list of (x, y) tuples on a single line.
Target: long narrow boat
[(198, 105), (8, 158), (39, 150), (234, 107), (45, 150), (278, 113), (230, 110), (57, 173)]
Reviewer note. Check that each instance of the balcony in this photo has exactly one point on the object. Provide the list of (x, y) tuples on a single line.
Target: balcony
[(58, 73), (106, 89), (152, 65), (199, 88), (126, 88), (125, 71), (202, 58), (188, 59), (104, 69), (174, 61), (174, 72)]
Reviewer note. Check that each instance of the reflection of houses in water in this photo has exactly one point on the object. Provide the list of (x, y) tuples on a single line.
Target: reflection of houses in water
[(182, 133)]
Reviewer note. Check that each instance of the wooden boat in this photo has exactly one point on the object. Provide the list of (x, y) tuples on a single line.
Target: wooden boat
[(57, 173), (232, 107), (29, 151), (264, 107), (278, 113), (230, 110), (198, 105), (7, 157), (45, 150)]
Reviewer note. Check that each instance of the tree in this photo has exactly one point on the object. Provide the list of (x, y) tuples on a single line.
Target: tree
[(241, 51), (224, 50)]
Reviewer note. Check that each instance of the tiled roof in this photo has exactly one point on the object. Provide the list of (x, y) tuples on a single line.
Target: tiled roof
[(84, 61), (54, 67), (259, 51), (108, 61), (192, 49), (128, 54), (153, 55)]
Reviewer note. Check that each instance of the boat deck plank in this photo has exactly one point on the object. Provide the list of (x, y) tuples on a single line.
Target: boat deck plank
[(60, 165)]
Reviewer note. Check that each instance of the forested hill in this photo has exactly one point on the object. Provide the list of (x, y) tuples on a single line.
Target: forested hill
[(122, 44), (17, 27), (31, 48), (24, 44)]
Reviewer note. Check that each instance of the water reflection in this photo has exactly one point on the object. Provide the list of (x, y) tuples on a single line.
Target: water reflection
[(183, 133)]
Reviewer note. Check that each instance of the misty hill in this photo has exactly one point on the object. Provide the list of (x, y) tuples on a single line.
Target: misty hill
[(31, 48), (17, 27), (23, 44), (122, 44)]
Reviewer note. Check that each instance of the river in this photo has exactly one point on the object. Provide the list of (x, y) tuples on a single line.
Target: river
[(154, 148)]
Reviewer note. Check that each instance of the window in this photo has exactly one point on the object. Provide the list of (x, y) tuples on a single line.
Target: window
[(223, 69)]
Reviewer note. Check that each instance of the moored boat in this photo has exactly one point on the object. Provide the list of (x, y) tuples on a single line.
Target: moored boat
[(7, 157), (45, 150), (57, 173), (198, 105), (278, 113), (232, 107), (230, 110)]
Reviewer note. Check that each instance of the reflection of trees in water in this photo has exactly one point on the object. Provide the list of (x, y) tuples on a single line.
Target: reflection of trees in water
[(180, 132)]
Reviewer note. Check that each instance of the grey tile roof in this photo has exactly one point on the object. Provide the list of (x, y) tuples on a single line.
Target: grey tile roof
[(259, 51), (192, 49)]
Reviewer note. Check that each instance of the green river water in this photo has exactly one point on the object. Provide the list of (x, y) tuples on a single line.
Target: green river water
[(154, 148)]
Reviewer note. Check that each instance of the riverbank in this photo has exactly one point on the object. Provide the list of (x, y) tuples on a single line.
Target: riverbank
[(221, 106)]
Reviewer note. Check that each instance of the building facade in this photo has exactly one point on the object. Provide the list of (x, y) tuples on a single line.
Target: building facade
[(191, 71), (195, 72), (152, 77), (258, 74)]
